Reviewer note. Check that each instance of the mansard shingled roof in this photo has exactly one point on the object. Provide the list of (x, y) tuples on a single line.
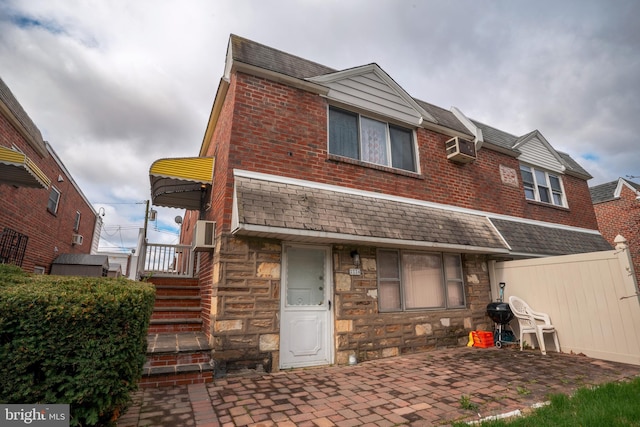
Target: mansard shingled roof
[(287, 206), (268, 58), (13, 106), (265, 57), (289, 209)]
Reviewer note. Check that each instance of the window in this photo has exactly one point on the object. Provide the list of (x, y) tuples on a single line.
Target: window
[(76, 224), (542, 186), (38, 270), (417, 280), (362, 138), (54, 200)]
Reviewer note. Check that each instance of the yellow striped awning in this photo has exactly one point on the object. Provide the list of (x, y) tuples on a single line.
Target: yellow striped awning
[(19, 170), (181, 182)]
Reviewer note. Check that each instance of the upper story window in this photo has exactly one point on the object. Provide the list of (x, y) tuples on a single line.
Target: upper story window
[(76, 224), (542, 186), (54, 200), (362, 138), (416, 280)]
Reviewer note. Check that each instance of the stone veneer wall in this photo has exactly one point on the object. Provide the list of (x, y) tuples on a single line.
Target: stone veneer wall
[(245, 306), (364, 332)]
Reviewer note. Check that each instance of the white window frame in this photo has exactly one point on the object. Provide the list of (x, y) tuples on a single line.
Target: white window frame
[(38, 270), (542, 179), (76, 224), (444, 284), (56, 203), (388, 149)]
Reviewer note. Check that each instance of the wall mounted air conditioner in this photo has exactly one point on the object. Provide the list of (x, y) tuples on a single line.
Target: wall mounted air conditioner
[(460, 150), (76, 239), (204, 236)]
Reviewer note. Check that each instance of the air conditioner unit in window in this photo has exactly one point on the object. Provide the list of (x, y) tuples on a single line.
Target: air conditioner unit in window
[(460, 150), (76, 239), (204, 236)]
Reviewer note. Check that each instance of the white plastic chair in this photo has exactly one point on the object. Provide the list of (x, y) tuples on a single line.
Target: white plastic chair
[(533, 322)]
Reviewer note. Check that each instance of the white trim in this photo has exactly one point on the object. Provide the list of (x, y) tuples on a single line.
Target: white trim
[(344, 190), (536, 133), (475, 130), (327, 79), (499, 233), (623, 182)]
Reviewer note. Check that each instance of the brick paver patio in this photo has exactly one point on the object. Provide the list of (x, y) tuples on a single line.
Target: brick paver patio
[(419, 389)]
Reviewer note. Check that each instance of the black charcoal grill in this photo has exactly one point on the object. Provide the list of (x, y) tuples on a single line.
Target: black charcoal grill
[(501, 314)]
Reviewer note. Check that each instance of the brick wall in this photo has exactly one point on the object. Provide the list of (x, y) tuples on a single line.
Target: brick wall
[(25, 209), (280, 130), (622, 216)]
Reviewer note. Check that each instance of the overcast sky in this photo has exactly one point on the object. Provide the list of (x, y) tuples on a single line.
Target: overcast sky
[(115, 84)]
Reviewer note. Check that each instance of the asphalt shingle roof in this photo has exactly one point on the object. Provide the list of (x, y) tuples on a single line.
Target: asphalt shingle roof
[(8, 99), (537, 239), (81, 259), (268, 58), (606, 192), (296, 207)]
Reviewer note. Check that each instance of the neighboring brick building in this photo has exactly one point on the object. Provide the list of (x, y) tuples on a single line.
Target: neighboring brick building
[(617, 207), (344, 226), (43, 212)]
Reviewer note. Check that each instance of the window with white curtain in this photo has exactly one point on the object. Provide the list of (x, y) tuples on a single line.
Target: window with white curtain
[(373, 141), (409, 280)]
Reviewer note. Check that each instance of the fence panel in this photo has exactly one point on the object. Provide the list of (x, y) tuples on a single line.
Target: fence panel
[(592, 300)]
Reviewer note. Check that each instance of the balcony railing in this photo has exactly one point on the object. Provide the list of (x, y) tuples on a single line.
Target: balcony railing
[(163, 260)]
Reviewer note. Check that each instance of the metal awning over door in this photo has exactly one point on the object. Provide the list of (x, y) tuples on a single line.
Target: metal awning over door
[(181, 182), (19, 170)]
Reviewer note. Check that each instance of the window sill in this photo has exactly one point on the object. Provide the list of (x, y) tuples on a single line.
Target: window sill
[(547, 205), (341, 159)]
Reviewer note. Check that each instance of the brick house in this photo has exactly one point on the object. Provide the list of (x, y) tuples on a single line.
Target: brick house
[(352, 219), (617, 208), (43, 212)]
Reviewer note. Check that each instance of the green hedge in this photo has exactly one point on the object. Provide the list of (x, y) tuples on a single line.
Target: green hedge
[(75, 340)]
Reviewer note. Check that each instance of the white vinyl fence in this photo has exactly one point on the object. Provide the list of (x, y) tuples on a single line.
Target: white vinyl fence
[(592, 300)]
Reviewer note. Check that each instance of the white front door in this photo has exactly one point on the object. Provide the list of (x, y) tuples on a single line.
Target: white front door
[(306, 324)]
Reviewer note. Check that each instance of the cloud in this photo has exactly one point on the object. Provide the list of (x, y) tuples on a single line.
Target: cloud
[(115, 85)]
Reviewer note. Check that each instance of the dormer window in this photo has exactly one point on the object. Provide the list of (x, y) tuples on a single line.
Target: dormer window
[(542, 186), (362, 138)]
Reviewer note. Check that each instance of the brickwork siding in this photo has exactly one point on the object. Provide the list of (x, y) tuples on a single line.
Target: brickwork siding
[(25, 209), (622, 216), (280, 130)]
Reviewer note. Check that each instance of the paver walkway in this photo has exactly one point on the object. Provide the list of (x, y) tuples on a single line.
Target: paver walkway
[(419, 390)]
